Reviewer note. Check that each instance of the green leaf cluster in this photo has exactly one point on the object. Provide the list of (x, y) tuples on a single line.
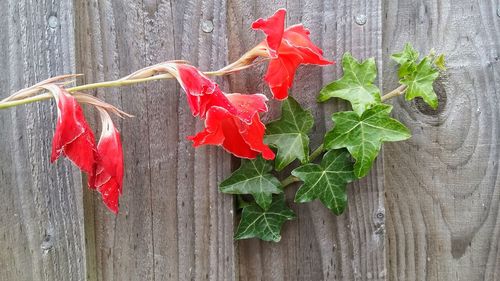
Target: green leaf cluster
[(419, 76), (350, 147)]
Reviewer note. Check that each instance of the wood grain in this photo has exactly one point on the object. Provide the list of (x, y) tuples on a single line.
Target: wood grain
[(318, 245), (41, 211), (442, 185), (173, 223)]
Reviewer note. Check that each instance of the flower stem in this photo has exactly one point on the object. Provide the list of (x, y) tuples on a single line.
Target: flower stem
[(291, 179), (123, 82), (41, 97), (394, 93), (118, 83)]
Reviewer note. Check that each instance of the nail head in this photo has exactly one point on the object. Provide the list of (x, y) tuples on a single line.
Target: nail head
[(360, 19), (207, 26), (53, 21)]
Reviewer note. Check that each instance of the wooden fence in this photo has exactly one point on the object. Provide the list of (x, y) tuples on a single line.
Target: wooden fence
[(428, 211)]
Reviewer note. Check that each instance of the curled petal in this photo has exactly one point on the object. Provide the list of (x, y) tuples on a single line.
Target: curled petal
[(108, 177), (202, 93), (73, 136), (273, 27), (237, 137)]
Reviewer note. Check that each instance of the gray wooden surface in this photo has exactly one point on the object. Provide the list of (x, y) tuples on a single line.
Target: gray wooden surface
[(441, 189), (442, 185), (41, 210)]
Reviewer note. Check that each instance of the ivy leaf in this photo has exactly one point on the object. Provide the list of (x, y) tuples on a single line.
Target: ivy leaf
[(419, 76), (289, 134), (420, 81), (356, 85), (407, 60), (409, 54), (439, 62), (363, 135), (253, 177), (262, 224), (326, 182)]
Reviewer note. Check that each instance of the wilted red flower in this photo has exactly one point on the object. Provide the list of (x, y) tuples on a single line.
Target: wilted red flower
[(108, 176), (287, 48), (73, 136), (242, 139)]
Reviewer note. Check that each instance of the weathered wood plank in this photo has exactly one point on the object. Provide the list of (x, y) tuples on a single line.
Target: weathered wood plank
[(317, 246), (41, 211), (442, 185), (173, 223)]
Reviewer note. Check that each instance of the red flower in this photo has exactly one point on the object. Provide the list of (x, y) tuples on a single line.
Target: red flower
[(243, 139), (73, 136), (108, 176), (202, 93), (287, 48)]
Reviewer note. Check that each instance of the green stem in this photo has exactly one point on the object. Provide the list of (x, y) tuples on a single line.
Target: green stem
[(118, 83), (289, 180), (292, 179), (394, 93), (41, 97), (317, 152)]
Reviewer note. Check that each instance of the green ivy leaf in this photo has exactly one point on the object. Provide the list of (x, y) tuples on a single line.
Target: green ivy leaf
[(419, 76), (407, 60), (363, 135), (356, 85), (289, 134), (439, 62), (262, 224), (420, 81), (409, 54), (253, 177), (326, 182)]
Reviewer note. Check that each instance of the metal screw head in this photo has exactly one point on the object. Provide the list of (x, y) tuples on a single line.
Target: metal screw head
[(53, 21), (207, 26), (360, 19), (498, 11)]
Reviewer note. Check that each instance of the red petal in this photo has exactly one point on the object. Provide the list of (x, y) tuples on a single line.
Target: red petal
[(254, 135), (273, 27), (109, 168), (73, 136), (297, 37), (248, 105), (202, 93), (237, 137), (280, 73)]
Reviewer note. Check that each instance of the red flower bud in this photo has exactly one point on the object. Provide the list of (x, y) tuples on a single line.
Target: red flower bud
[(108, 177)]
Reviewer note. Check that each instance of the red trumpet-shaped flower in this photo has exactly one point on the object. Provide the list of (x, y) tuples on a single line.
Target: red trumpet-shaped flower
[(232, 120), (108, 176), (242, 139), (73, 136), (287, 48)]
